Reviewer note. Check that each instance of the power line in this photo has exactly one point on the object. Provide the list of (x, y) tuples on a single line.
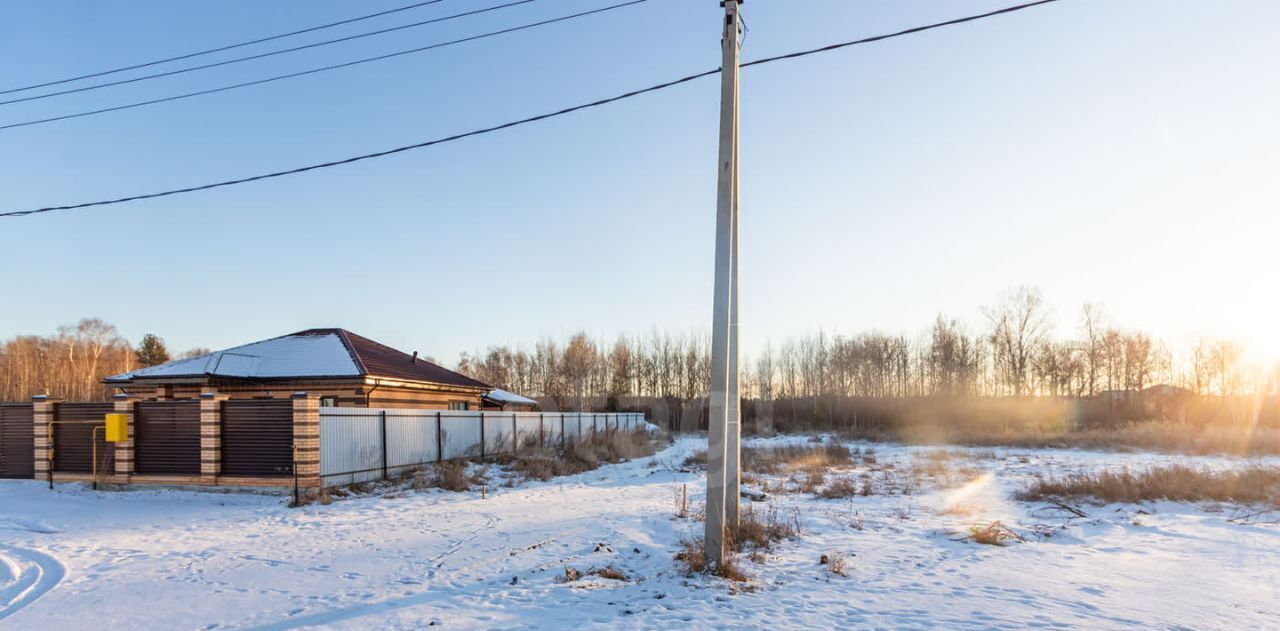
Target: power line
[(531, 119), (221, 48), (303, 73), (272, 53)]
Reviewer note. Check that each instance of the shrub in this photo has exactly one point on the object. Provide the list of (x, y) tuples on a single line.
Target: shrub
[(451, 475)]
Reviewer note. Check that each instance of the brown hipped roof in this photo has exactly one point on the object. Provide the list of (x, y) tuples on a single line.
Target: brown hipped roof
[(380, 360), (310, 354)]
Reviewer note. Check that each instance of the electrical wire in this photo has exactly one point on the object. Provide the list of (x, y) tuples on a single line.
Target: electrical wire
[(303, 73), (392, 29), (220, 48), (531, 119)]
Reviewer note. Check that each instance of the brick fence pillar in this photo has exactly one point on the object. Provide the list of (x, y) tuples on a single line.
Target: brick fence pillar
[(211, 434), (43, 411), (124, 448), (306, 438)]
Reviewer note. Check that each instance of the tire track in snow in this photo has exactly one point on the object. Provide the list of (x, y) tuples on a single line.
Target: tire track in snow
[(31, 574)]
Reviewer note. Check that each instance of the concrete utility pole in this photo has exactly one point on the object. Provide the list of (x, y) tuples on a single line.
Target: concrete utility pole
[(723, 431), (733, 425)]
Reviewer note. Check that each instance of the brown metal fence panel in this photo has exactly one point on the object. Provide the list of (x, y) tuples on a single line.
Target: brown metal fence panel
[(73, 438), (17, 441), (166, 438), (257, 438)]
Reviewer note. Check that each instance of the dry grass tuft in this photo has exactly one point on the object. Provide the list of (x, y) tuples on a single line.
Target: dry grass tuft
[(841, 488), (755, 532), (1179, 483), (813, 478), (993, 534), (450, 475), (694, 561), (1153, 436), (692, 556), (304, 498), (697, 459), (835, 563), (754, 535), (611, 573), (810, 457), (869, 456)]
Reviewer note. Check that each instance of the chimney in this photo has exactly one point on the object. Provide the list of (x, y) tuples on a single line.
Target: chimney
[(415, 357)]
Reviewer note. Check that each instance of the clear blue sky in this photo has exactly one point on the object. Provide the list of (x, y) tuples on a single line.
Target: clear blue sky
[(1120, 152)]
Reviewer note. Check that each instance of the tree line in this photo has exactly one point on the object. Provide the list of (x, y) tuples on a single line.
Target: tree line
[(1012, 354), (71, 363)]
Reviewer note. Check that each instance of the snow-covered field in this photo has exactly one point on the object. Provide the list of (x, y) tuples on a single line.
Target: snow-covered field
[(72, 558)]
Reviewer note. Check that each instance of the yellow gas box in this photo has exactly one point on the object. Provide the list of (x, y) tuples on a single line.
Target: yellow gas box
[(117, 428)]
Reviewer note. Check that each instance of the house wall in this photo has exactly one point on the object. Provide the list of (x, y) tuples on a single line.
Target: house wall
[(384, 395)]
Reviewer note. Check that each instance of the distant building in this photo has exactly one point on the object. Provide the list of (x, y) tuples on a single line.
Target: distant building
[(508, 401), (1115, 395), (1165, 391)]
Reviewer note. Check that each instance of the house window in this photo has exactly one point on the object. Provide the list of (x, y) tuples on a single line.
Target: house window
[(328, 402), (457, 405)]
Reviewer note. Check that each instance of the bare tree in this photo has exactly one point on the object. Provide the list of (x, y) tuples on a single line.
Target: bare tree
[(1091, 322), (1018, 325)]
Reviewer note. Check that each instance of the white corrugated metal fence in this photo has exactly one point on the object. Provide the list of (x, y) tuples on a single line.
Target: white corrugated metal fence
[(364, 444)]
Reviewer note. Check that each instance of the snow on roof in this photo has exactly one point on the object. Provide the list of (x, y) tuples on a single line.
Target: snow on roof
[(509, 398), (299, 355)]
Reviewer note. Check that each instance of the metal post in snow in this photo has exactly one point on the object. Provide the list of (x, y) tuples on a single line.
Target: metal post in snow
[(382, 428), (439, 439), (721, 321)]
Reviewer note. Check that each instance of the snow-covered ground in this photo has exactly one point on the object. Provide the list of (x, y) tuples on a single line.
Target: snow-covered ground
[(71, 558)]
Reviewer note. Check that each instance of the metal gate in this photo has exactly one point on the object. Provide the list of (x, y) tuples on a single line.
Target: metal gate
[(257, 438), (74, 438), (17, 441), (166, 438)]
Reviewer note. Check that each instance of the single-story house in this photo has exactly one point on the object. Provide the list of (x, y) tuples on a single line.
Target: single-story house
[(342, 368), (315, 408)]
